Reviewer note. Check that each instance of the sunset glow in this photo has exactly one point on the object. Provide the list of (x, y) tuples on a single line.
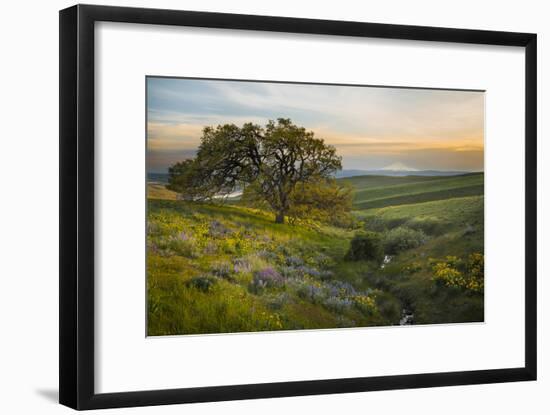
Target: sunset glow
[(371, 127)]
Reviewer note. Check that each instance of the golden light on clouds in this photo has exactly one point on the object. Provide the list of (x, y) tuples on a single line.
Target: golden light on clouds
[(370, 127), (357, 144), (173, 136)]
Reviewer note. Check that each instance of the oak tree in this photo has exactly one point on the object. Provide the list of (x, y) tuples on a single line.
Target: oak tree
[(270, 161)]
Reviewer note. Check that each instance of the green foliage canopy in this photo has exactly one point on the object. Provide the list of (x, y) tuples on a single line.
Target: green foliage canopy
[(366, 246), (282, 165)]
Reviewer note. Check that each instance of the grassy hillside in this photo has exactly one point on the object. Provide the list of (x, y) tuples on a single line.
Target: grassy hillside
[(453, 227), (159, 191), (226, 268), (380, 191), (215, 269)]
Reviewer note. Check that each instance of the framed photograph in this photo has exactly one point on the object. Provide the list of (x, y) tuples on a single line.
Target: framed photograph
[(258, 207)]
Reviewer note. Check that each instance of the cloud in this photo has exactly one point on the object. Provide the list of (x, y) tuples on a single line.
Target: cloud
[(173, 136), (363, 123)]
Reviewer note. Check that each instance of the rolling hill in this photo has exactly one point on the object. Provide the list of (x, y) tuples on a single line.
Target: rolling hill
[(218, 268), (372, 191)]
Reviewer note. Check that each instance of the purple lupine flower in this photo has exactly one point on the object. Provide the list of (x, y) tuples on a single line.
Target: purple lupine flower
[(268, 277), (305, 270), (294, 261)]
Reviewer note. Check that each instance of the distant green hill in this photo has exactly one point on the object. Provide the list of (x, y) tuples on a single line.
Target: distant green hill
[(380, 191)]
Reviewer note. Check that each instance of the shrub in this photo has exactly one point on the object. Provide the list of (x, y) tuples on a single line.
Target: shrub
[(313, 293), (266, 278), (476, 269), (365, 246), (326, 275), (375, 223), (222, 270), (411, 268), (453, 273), (428, 225), (217, 229), (267, 255), (249, 264), (341, 288), (153, 228), (338, 304), (294, 261), (289, 272), (323, 260), (446, 274), (395, 222), (174, 245), (202, 283), (402, 238), (268, 321), (242, 265), (304, 270), (278, 301), (366, 304)]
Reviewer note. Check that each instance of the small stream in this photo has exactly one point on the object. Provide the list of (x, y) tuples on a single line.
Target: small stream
[(407, 316), (386, 261)]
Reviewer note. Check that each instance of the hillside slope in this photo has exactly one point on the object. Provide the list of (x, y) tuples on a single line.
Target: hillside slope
[(214, 268), (379, 191)]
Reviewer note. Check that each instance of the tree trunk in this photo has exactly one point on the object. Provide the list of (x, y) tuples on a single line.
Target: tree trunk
[(280, 217)]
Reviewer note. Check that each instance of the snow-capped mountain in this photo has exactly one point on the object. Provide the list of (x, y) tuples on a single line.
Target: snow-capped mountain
[(398, 166)]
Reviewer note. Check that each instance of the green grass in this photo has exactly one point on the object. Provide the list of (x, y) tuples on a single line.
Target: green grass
[(455, 227), (207, 264), (379, 191), (189, 240), (434, 216), (159, 191)]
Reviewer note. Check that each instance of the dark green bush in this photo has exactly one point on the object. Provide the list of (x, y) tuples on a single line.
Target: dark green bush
[(428, 225), (202, 283), (395, 222), (375, 223), (366, 246), (402, 238)]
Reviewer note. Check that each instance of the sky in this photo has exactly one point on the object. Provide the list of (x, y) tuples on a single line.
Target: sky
[(371, 127)]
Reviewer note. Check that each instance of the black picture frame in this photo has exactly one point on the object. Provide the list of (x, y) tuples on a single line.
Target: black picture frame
[(76, 280)]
